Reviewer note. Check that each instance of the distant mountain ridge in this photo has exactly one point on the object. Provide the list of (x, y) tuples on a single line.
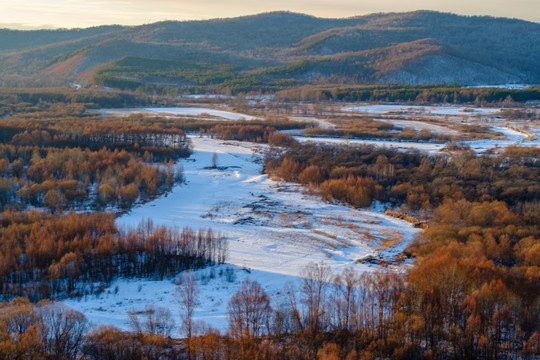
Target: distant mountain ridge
[(276, 50)]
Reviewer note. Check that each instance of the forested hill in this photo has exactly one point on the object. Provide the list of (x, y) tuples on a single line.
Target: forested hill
[(277, 50)]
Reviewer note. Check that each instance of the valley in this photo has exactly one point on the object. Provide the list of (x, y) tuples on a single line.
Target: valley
[(269, 186), (274, 228), (273, 231)]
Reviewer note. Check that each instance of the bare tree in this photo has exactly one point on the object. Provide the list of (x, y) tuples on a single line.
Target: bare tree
[(343, 301), (317, 278), (249, 310), (62, 329), (188, 294), (154, 320), (289, 291), (18, 316), (214, 160)]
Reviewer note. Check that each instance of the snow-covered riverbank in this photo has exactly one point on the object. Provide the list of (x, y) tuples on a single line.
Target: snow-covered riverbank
[(273, 231)]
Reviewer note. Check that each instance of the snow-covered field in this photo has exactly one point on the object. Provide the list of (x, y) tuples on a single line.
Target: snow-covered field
[(429, 110), (176, 111), (515, 132), (511, 137), (421, 125), (506, 86), (273, 231), (269, 225), (323, 124), (400, 145), (216, 285)]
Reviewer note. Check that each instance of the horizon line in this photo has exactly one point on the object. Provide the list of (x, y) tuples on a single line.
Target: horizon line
[(37, 27)]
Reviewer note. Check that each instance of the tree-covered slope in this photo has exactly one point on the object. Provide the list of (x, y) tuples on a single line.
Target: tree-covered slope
[(279, 50)]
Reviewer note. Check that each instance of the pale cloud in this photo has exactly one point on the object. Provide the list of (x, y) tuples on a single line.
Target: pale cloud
[(77, 13)]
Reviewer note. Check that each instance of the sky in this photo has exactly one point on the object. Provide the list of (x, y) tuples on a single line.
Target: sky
[(30, 14)]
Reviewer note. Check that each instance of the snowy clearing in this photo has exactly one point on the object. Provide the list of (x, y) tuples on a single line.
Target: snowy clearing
[(323, 124), (420, 125), (270, 225), (217, 285), (421, 146), (512, 137), (431, 110), (273, 231), (505, 86), (176, 111)]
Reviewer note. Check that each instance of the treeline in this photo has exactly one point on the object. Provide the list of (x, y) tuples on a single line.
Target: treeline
[(163, 143), (80, 163), (252, 83), (427, 315), (254, 133), (39, 99), (369, 128), (474, 290), (73, 178), (198, 125), (186, 71), (146, 76), (417, 181), (524, 114), (324, 316), (436, 93), (455, 95), (50, 330), (44, 256)]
